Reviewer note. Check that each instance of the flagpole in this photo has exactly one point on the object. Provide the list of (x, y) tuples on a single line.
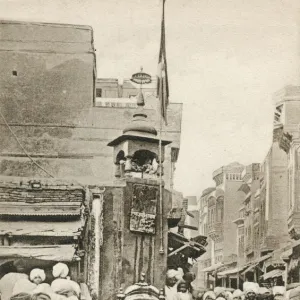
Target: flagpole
[(161, 249)]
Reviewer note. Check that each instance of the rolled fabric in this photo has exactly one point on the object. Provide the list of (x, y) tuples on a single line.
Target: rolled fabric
[(60, 270), (279, 290), (37, 273), (220, 298), (210, 294)]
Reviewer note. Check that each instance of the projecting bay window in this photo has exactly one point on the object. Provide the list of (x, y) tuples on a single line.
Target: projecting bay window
[(220, 209)]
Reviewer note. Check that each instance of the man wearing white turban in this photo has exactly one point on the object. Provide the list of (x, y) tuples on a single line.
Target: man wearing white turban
[(250, 290), (219, 291), (210, 295), (279, 292), (37, 276), (264, 293), (63, 285), (237, 295), (172, 279), (60, 270)]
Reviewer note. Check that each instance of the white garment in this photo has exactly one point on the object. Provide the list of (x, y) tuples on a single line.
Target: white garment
[(184, 296), (7, 283), (46, 289), (171, 293), (65, 286), (23, 286)]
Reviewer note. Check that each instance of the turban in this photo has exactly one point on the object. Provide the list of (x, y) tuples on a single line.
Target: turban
[(21, 296), (237, 293), (171, 273), (228, 295), (210, 294), (40, 296), (37, 273), (180, 271), (219, 290), (250, 287), (278, 290), (60, 270)]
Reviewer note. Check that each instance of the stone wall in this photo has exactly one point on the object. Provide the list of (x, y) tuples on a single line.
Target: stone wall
[(126, 254), (47, 98)]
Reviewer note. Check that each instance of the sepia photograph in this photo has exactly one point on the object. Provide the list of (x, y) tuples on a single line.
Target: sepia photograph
[(150, 150)]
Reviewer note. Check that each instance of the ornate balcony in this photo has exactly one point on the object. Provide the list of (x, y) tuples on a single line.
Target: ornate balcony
[(215, 230)]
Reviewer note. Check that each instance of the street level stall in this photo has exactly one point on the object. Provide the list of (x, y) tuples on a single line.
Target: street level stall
[(41, 223), (290, 256), (181, 249), (255, 268)]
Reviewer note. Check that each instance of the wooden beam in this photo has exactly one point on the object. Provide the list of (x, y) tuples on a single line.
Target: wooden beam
[(178, 250)]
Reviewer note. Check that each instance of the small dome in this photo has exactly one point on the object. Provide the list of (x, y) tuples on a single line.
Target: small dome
[(139, 124)]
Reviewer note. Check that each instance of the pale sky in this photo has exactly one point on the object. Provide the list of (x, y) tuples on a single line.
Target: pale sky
[(225, 60)]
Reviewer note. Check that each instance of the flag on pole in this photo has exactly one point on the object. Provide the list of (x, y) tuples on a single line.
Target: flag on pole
[(162, 73)]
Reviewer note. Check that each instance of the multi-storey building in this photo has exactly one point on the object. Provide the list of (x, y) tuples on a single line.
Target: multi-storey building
[(267, 192), (269, 196), (220, 205), (207, 259)]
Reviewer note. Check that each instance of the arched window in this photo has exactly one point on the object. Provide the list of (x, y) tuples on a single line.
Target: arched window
[(142, 160)]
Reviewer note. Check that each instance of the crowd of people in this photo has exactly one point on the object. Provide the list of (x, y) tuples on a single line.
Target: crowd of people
[(20, 286), (179, 286)]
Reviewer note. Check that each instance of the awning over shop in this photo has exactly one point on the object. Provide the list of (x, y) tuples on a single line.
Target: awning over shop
[(40, 209), (286, 254), (46, 252), (228, 272), (180, 244), (273, 274), (256, 262), (32, 228), (213, 267)]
